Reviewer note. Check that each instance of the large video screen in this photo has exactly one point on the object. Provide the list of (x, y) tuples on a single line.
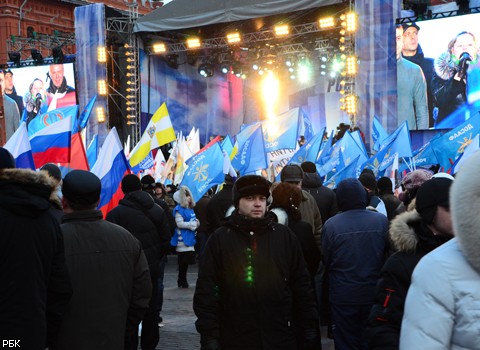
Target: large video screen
[(38, 89), (437, 93)]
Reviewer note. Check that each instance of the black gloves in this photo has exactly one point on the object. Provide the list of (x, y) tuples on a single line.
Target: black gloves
[(210, 344), (464, 61)]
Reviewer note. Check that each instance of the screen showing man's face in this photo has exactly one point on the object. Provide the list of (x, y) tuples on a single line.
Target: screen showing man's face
[(8, 81), (410, 40), (56, 74)]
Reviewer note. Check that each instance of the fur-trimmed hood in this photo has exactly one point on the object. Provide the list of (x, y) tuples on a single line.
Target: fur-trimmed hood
[(26, 191), (444, 66), (464, 204), (181, 197), (402, 232), (280, 215)]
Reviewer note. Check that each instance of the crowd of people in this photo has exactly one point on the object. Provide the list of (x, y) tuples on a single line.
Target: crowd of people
[(276, 260)]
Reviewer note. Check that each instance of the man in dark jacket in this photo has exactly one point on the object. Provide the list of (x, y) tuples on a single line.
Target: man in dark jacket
[(354, 244), (110, 277), (218, 205), (34, 283), (413, 235), (393, 205), (253, 289), (138, 213), (412, 51), (325, 197)]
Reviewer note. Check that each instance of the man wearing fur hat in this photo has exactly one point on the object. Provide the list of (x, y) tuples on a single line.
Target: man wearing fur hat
[(109, 271), (34, 282), (441, 309), (354, 246), (413, 235), (253, 289), (147, 221)]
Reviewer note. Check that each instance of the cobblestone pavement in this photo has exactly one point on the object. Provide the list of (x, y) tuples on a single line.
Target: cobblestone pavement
[(178, 331)]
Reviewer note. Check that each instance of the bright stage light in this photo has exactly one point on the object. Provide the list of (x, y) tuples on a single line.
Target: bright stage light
[(351, 65), (304, 71), (351, 104), (349, 21), (159, 48), (270, 93), (327, 22), (102, 87), (100, 115), (193, 43), (101, 54), (282, 30), (233, 38)]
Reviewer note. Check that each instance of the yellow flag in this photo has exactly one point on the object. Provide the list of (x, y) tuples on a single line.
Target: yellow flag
[(158, 132)]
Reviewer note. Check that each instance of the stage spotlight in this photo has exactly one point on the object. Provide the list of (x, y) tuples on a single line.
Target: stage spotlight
[(233, 38), (14, 57), (327, 22), (205, 70), (159, 48), (193, 43), (255, 66), (224, 68), (172, 61), (58, 56), (36, 56), (282, 30), (101, 54), (102, 87), (100, 115)]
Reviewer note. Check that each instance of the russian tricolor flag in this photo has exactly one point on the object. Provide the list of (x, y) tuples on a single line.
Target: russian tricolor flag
[(52, 143), (111, 167), (19, 146)]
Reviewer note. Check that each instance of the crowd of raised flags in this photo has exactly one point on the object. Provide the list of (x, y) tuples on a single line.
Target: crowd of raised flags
[(262, 148)]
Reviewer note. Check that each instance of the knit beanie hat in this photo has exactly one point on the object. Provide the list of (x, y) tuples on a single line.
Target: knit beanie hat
[(148, 182), (131, 183), (431, 194), (413, 180), (6, 159), (249, 185)]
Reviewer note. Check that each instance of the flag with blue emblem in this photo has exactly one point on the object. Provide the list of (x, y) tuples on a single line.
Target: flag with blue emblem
[(41, 121), (345, 173), (309, 151), (281, 132), (205, 169), (451, 145)]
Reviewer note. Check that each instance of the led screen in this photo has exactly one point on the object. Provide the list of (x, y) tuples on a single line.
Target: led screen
[(43, 88), (435, 93)]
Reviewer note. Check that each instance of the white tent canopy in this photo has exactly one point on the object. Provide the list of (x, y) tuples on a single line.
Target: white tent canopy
[(180, 14)]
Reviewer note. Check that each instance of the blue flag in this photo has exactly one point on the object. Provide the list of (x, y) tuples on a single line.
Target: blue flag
[(49, 118), (325, 152), (251, 155), (309, 151), (449, 146), (205, 169), (92, 152), (345, 173), (83, 118), (378, 134), (399, 141), (281, 132)]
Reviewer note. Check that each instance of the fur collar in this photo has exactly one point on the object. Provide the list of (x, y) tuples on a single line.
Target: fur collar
[(444, 66), (402, 233), (281, 215), (27, 176)]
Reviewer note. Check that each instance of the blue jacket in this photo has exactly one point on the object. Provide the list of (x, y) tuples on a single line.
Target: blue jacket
[(354, 243), (188, 236)]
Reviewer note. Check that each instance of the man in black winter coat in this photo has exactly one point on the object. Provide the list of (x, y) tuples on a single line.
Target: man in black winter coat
[(35, 286), (218, 205), (138, 213), (253, 289)]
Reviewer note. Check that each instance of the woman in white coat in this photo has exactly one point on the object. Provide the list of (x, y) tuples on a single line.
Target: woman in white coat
[(442, 309)]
